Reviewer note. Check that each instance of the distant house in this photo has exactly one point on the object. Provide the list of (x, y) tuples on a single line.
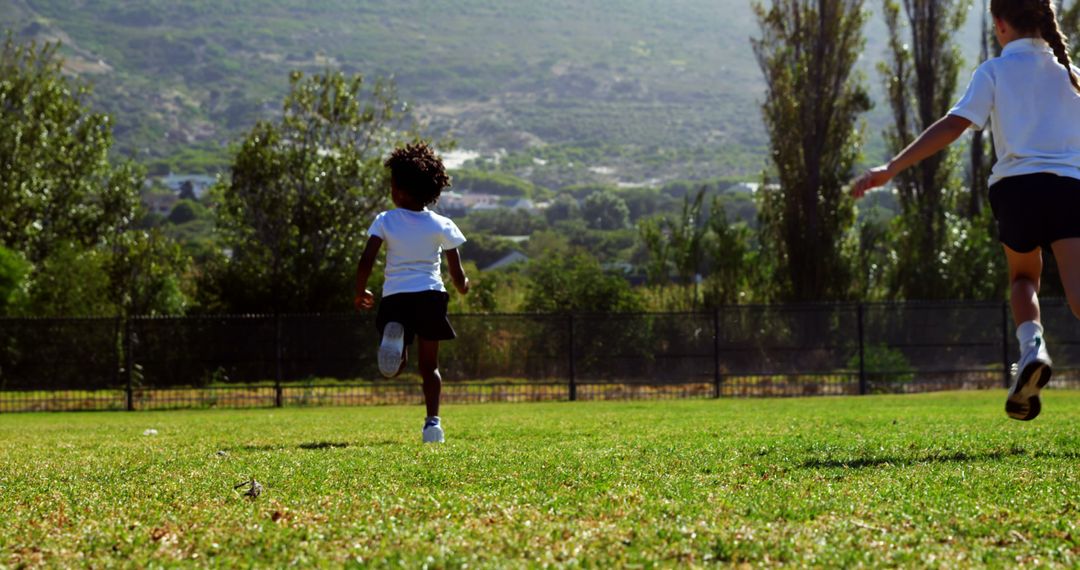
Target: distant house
[(520, 204), (195, 184), (510, 259), (484, 207)]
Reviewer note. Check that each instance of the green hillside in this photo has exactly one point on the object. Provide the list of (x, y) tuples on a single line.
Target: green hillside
[(611, 90)]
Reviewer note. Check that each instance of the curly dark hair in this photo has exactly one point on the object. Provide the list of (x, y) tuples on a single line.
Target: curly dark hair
[(419, 172)]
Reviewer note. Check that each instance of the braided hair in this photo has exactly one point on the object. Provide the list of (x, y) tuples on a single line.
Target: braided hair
[(1029, 16), (419, 172)]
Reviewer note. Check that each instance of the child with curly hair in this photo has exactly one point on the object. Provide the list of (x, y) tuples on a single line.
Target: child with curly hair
[(414, 298)]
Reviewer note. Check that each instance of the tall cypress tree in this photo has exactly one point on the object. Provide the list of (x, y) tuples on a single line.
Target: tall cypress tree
[(807, 52), (921, 82)]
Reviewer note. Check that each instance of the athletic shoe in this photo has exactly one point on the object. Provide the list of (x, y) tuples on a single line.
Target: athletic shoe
[(391, 349), (433, 432), (1029, 376)]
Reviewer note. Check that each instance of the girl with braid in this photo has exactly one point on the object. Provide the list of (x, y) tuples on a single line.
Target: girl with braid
[(1030, 95)]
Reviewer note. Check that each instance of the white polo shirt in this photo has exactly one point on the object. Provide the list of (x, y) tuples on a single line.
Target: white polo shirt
[(414, 245), (1033, 110)]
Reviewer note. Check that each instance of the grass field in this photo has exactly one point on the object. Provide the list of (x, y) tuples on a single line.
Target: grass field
[(937, 480)]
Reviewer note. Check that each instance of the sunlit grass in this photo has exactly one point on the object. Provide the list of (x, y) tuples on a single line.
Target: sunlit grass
[(940, 480)]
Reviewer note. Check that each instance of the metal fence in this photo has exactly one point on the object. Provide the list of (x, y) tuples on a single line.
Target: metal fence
[(297, 360)]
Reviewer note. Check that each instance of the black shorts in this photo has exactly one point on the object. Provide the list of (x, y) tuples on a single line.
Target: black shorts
[(422, 313), (1035, 210)]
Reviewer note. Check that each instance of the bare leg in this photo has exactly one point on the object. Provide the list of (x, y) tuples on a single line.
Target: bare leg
[(1025, 270), (429, 370), (1067, 253)]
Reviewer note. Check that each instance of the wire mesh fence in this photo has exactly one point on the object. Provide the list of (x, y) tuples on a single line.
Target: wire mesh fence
[(256, 361)]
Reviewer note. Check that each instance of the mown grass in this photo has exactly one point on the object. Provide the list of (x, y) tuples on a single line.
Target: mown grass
[(921, 480)]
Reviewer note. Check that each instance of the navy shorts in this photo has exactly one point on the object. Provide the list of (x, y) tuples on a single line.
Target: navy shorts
[(422, 313), (1035, 210)]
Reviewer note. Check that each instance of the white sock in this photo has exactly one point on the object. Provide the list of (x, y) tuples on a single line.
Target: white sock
[(1027, 331)]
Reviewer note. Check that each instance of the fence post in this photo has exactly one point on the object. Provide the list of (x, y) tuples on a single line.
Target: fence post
[(862, 353), (1005, 375), (129, 364), (716, 353), (570, 352), (277, 360)]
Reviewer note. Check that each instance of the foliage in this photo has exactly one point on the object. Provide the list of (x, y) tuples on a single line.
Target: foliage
[(58, 185), (734, 270), (807, 52), (67, 209), (187, 211), (71, 282), (577, 284), (701, 242), (605, 211), (563, 207), (13, 273), (493, 183), (144, 272), (502, 222), (883, 364), (972, 254), (676, 243), (920, 79), (302, 193)]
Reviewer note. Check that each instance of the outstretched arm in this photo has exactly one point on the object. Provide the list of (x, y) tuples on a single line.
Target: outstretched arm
[(365, 299), (940, 135), (457, 274)]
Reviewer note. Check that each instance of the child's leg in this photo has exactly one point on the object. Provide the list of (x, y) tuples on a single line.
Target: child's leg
[(429, 370), (1067, 253), (1033, 370), (1025, 270)]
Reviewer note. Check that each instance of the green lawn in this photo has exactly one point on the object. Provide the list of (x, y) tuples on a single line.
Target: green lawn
[(940, 480)]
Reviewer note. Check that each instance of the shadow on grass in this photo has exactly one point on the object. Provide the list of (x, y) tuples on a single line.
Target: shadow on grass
[(325, 445), (315, 445), (955, 457)]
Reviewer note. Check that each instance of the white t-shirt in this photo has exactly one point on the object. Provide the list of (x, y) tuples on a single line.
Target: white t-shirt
[(1033, 110), (414, 245)]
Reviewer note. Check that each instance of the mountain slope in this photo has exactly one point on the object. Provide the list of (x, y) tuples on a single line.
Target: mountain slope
[(642, 88)]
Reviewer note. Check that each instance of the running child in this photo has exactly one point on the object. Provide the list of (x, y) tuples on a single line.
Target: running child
[(414, 298), (1031, 97)]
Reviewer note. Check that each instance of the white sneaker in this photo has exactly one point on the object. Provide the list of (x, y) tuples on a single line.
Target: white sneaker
[(433, 432), (391, 348), (1029, 376)]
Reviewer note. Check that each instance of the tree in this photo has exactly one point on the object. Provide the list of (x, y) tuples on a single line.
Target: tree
[(57, 186), (577, 284), (1069, 22), (67, 209), (981, 162), (605, 211), (563, 207), (303, 192), (733, 267), (144, 272), (920, 82), (700, 242), (807, 52), (13, 272)]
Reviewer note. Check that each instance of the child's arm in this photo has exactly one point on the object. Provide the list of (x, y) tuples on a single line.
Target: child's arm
[(365, 299), (457, 274), (940, 135)]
